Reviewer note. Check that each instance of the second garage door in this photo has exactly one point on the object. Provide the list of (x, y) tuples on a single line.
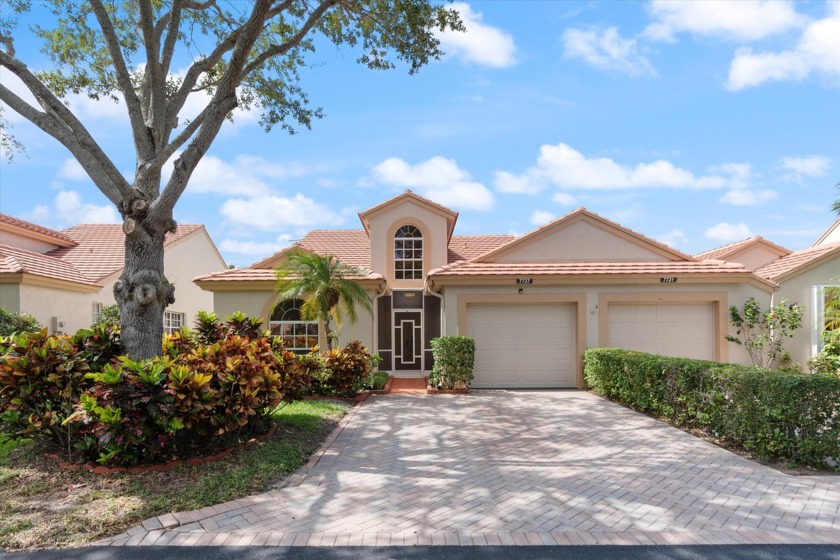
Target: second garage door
[(670, 329), (521, 346)]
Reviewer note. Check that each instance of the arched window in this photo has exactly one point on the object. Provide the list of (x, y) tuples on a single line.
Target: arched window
[(286, 321), (408, 253)]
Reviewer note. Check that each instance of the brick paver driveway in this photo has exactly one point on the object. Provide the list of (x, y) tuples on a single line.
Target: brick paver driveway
[(560, 467)]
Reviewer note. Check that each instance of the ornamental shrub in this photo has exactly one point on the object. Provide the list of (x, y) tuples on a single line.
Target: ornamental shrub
[(11, 322), (349, 368), (762, 333), (377, 380), (454, 362), (129, 415), (41, 379), (122, 412), (828, 360), (790, 416)]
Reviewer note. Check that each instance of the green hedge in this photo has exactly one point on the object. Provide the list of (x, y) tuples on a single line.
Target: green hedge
[(790, 416), (454, 361)]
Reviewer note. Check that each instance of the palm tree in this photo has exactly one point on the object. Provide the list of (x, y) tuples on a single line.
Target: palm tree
[(836, 206), (325, 286)]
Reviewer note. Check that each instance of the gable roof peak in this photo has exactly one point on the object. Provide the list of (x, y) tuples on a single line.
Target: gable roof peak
[(583, 214), (35, 231), (450, 215)]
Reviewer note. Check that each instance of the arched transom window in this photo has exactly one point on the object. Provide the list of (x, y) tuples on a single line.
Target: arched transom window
[(408, 253), (286, 321)]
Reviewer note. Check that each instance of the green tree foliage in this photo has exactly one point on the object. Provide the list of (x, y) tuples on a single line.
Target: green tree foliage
[(243, 54), (761, 332), (11, 322), (326, 286), (109, 316)]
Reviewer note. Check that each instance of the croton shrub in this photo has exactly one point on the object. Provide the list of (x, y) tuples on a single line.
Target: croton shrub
[(107, 408), (785, 415)]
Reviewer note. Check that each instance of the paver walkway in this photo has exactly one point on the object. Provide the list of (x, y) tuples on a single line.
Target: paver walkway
[(559, 467)]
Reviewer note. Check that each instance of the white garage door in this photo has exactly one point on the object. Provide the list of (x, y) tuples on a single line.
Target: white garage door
[(520, 346), (684, 330)]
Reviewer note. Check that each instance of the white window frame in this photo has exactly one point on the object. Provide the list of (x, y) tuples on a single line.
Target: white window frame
[(412, 264), (818, 324), (96, 309), (295, 331), (169, 326)]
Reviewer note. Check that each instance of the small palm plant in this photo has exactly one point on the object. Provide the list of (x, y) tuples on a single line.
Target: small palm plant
[(326, 287)]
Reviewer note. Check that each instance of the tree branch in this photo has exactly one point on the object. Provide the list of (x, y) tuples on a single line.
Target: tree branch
[(9, 43), (65, 122), (135, 111), (52, 125), (294, 40)]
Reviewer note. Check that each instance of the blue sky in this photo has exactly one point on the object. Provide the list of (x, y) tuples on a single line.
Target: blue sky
[(695, 123)]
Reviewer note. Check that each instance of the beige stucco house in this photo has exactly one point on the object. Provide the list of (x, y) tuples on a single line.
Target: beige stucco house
[(532, 303), (64, 278), (801, 277)]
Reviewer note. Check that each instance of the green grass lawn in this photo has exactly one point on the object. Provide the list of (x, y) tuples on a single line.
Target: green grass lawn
[(44, 506)]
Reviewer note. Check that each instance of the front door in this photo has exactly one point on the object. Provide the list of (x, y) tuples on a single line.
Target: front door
[(408, 340)]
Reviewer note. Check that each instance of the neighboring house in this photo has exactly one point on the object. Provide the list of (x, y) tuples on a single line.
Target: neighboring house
[(64, 278), (801, 277), (533, 303)]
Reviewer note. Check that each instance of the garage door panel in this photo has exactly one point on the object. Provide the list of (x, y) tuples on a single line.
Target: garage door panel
[(686, 330), (523, 346)]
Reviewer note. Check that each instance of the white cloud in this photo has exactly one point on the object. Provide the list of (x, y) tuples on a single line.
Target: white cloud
[(816, 54), (607, 50), (67, 209), (510, 183), (564, 198), (255, 247), (541, 217), (277, 213), (673, 238), (564, 167), (741, 20), (728, 232), (438, 179), (808, 166), (480, 44), (748, 197), (72, 170), (246, 175)]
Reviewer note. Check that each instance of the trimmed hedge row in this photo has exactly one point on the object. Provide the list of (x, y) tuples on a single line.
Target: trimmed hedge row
[(790, 416)]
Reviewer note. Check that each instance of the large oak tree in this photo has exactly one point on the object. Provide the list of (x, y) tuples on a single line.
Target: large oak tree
[(239, 53)]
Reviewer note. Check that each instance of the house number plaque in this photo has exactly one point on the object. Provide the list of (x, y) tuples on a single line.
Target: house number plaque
[(668, 279), (524, 280)]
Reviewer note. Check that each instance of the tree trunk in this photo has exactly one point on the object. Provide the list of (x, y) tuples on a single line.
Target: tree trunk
[(142, 292)]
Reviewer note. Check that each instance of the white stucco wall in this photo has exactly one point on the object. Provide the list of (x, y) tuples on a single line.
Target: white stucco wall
[(44, 303), (799, 290), (754, 257), (579, 242), (10, 297), (25, 242), (382, 229)]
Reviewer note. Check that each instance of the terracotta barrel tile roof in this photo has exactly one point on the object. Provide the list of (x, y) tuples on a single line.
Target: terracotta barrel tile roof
[(263, 274), (100, 249), (350, 246), (726, 250), (467, 247), (799, 260), (580, 268), (14, 260), (59, 237)]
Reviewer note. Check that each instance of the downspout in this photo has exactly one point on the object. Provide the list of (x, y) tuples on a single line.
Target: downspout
[(381, 290)]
